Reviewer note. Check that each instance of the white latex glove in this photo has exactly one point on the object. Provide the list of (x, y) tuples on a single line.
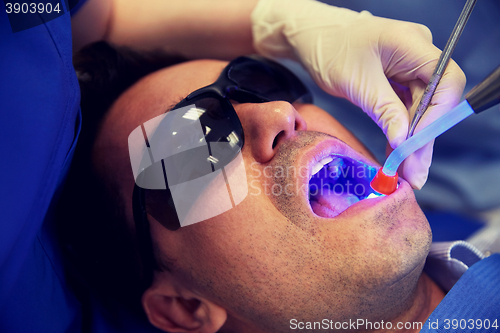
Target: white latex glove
[(379, 64)]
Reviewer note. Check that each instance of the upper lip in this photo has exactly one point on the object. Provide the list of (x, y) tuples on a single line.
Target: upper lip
[(328, 147)]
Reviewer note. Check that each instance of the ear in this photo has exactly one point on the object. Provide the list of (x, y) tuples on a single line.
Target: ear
[(174, 308)]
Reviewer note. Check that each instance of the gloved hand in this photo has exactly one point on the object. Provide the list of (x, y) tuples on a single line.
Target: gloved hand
[(379, 64)]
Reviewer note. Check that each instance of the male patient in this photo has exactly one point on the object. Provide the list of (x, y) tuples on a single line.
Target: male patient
[(276, 260)]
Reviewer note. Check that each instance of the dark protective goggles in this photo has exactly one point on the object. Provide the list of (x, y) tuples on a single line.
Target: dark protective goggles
[(247, 79)]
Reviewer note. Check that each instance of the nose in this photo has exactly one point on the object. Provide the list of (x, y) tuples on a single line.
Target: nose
[(267, 125)]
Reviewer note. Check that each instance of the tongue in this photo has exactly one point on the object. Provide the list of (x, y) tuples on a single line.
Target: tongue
[(330, 204)]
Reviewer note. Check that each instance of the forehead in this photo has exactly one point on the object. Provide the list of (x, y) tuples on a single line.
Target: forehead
[(164, 88)]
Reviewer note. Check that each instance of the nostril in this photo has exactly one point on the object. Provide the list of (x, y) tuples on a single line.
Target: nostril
[(300, 124), (276, 138)]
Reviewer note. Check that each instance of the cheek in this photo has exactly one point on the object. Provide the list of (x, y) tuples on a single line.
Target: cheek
[(234, 251)]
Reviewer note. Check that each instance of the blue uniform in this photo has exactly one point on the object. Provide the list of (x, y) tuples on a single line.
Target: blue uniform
[(39, 123)]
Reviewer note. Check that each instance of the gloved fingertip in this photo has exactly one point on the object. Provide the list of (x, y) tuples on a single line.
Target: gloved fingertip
[(415, 168), (419, 182), (396, 124), (395, 135), (416, 176)]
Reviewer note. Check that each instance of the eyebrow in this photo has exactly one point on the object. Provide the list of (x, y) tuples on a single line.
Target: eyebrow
[(173, 105)]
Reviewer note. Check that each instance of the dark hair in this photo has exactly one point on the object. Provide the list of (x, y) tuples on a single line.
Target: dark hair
[(99, 249)]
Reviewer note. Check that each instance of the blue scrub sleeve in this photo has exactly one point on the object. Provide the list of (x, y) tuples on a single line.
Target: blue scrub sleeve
[(39, 123)]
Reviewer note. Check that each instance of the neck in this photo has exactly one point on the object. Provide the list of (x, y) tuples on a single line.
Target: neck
[(427, 297)]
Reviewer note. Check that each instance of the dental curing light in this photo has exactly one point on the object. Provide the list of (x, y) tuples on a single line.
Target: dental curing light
[(483, 96)]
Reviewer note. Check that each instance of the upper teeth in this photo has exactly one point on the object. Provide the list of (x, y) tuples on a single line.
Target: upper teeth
[(318, 166)]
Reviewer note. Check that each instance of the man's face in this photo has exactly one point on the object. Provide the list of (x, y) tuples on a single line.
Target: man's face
[(277, 255)]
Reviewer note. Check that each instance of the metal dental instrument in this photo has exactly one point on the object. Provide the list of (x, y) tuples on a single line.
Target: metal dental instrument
[(444, 58)]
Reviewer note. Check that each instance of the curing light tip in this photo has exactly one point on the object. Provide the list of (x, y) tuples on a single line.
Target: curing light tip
[(383, 183)]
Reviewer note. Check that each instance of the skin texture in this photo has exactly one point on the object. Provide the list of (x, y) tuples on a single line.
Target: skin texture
[(271, 258)]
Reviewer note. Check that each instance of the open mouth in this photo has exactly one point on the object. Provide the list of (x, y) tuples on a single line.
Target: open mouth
[(338, 182)]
